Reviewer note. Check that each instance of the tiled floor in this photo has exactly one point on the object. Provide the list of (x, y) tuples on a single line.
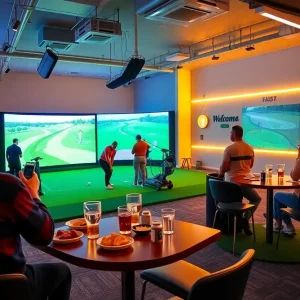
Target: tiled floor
[(267, 281)]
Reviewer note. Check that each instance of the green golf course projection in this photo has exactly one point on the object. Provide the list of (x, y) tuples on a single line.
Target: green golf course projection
[(58, 139), (123, 128), (272, 127)]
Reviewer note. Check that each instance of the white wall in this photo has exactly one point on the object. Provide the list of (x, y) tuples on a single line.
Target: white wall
[(59, 94), (271, 71)]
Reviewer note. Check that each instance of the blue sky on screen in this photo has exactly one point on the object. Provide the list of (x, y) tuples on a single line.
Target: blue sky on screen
[(129, 116), (44, 118)]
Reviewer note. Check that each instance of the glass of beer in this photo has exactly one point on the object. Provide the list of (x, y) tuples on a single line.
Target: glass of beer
[(92, 215), (124, 219), (269, 171), (168, 215), (280, 170), (134, 205)]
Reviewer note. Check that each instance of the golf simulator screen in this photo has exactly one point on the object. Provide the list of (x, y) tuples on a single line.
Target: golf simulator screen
[(272, 127), (58, 139), (123, 128)]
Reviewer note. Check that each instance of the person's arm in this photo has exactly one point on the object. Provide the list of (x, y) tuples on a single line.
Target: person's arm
[(252, 161), (7, 155), (225, 163), (133, 149), (295, 173), (35, 222), (113, 157), (20, 152)]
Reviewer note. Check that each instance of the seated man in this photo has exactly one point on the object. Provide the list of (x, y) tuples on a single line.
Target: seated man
[(292, 200), (238, 160), (23, 214)]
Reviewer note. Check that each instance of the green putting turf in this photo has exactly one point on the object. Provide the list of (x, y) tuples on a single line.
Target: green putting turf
[(67, 190), (286, 253)]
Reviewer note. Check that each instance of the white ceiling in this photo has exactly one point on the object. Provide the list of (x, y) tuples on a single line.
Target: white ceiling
[(155, 38)]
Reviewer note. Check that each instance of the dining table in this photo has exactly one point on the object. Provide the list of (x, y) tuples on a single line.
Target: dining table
[(270, 184), (187, 239)]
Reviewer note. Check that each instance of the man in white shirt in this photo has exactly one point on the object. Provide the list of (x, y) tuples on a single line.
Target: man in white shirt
[(238, 160)]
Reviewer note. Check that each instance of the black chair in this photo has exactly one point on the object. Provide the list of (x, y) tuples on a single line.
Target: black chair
[(15, 287), (228, 197), (189, 282), (293, 213)]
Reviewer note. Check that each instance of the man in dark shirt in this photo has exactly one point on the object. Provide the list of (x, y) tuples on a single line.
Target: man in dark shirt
[(23, 214), (13, 154)]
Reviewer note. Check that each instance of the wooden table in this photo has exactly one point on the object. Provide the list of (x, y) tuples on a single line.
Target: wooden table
[(187, 239), (270, 185)]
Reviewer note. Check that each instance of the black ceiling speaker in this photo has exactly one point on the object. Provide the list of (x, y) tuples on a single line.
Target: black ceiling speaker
[(131, 71), (47, 63)]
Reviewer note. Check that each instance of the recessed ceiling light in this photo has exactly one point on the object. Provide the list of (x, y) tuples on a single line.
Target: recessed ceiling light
[(250, 48)]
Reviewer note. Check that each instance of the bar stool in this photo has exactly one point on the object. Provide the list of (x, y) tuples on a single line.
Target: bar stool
[(186, 161)]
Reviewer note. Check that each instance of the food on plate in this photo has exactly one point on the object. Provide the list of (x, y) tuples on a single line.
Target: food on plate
[(66, 234), (114, 239), (142, 228), (79, 222)]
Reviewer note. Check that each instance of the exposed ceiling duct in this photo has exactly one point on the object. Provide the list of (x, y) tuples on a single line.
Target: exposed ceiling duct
[(181, 12)]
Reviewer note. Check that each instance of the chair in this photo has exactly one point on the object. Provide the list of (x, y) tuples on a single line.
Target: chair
[(186, 161), (228, 197), (15, 287), (189, 282), (293, 213)]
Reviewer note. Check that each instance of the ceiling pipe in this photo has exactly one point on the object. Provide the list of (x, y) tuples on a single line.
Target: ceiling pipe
[(26, 13), (79, 59)]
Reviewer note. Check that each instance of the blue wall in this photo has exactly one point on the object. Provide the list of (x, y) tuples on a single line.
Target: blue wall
[(155, 94)]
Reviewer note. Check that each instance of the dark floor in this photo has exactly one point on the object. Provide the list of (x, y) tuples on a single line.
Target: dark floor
[(267, 281)]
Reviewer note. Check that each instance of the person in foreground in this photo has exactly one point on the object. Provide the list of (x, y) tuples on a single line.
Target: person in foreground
[(23, 214), (13, 155), (292, 200), (139, 151), (238, 160), (106, 162)]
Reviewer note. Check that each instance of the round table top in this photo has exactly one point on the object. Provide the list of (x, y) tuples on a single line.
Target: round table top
[(187, 239), (269, 183)]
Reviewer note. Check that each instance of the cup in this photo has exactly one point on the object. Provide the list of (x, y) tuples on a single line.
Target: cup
[(168, 215), (269, 169), (134, 205), (124, 219), (280, 170), (92, 215)]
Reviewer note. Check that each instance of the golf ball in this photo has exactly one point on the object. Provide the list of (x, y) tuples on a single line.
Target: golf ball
[(89, 183)]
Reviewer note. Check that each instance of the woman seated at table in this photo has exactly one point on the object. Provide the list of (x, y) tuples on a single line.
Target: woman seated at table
[(292, 200)]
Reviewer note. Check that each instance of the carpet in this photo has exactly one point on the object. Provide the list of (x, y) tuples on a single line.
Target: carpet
[(286, 252)]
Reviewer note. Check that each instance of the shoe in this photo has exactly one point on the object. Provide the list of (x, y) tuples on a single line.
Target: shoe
[(290, 231), (134, 185), (246, 227), (111, 184), (142, 185), (41, 193), (275, 227), (109, 187)]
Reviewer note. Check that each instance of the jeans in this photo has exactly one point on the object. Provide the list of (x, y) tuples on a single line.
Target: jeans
[(283, 200), (253, 197), (108, 172), (14, 168), (50, 281), (139, 163)]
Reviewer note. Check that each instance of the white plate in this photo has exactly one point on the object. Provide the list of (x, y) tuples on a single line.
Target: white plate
[(69, 241), (115, 248), (75, 224)]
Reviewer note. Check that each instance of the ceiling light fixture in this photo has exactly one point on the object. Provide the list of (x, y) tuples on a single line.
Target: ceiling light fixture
[(7, 70), (5, 48), (250, 48), (17, 21), (278, 16), (215, 56)]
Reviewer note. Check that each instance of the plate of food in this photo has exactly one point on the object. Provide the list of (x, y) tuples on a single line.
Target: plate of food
[(142, 229), (77, 224), (67, 236), (115, 242)]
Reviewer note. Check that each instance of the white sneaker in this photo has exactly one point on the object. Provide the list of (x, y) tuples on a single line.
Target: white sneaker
[(111, 184), (109, 187), (142, 185), (134, 184), (289, 231), (275, 228)]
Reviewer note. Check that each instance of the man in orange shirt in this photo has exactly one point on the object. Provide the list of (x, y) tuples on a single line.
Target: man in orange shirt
[(106, 162), (139, 151)]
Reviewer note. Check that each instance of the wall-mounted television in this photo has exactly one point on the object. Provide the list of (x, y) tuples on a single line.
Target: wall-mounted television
[(58, 139), (272, 127), (154, 128)]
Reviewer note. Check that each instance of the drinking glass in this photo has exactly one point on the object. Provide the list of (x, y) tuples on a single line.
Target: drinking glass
[(280, 170), (168, 215), (269, 169), (124, 219), (92, 215), (134, 205)]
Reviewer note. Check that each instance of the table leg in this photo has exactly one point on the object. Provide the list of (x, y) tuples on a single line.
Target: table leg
[(269, 231), (128, 286)]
